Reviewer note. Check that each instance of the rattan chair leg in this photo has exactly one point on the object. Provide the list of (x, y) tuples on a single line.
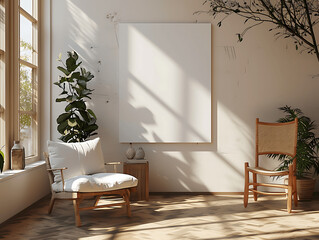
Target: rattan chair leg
[(294, 189), (255, 186), (246, 185), (290, 187)]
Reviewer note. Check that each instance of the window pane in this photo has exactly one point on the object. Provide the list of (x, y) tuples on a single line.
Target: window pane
[(25, 39), (26, 5), (2, 25), (26, 134), (25, 88)]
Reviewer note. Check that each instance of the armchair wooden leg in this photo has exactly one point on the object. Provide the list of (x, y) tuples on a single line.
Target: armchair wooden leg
[(97, 199), (126, 197), (51, 204), (255, 186), (246, 185), (76, 204)]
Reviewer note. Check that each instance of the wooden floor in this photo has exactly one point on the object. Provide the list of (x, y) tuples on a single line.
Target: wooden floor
[(170, 217)]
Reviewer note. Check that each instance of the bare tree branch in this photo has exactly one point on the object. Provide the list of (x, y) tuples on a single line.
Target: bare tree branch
[(293, 19)]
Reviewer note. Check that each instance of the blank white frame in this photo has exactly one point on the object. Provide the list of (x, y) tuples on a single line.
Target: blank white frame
[(165, 82)]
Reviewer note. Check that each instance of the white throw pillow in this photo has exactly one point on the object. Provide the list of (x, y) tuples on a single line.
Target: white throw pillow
[(91, 156), (64, 155), (80, 158)]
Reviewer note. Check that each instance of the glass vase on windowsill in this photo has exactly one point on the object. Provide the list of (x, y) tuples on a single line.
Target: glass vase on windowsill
[(17, 156)]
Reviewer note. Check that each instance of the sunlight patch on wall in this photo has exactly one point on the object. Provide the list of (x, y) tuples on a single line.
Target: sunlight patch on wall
[(84, 29)]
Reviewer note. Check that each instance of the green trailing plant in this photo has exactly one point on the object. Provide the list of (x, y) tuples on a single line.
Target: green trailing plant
[(78, 122), (294, 19), (307, 144), (1, 159)]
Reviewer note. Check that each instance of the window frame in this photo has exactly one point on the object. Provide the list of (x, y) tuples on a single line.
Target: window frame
[(10, 85), (5, 88), (34, 76), (34, 113)]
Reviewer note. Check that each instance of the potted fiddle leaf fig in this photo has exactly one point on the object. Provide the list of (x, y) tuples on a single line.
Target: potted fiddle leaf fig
[(307, 152), (78, 122)]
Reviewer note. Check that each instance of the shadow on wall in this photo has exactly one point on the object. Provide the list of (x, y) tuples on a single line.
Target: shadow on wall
[(135, 123)]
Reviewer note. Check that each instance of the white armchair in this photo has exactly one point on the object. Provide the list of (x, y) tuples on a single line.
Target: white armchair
[(76, 171)]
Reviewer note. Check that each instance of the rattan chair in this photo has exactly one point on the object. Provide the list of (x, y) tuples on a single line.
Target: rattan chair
[(274, 138)]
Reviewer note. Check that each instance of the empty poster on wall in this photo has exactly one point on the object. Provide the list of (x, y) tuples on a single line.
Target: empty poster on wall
[(165, 82)]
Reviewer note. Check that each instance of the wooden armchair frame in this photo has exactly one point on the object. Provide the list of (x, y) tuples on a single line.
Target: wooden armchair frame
[(78, 197), (289, 148)]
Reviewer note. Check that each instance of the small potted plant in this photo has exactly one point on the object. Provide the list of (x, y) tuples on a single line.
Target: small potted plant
[(1, 159), (307, 152)]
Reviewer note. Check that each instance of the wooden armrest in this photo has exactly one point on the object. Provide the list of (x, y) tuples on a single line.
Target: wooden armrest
[(113, 163), (54, 169), (61, 170)]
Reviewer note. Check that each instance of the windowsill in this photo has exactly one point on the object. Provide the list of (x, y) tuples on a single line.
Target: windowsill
[(8, 174)]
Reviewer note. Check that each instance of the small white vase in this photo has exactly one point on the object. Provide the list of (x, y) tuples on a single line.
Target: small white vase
[(140, 154), (130, 152)]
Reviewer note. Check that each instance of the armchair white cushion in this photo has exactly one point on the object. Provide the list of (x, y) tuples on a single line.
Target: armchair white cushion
[(99, 182)]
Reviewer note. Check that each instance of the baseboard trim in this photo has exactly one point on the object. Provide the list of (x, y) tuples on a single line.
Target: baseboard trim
[(196, 193)]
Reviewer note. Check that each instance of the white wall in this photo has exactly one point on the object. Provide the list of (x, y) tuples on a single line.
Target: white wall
[(250, 79), (22, 190)]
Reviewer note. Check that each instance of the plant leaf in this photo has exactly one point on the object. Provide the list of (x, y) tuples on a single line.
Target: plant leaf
[(92, 113), (63, 117), (1, 161), (62, 126), (62, 69)]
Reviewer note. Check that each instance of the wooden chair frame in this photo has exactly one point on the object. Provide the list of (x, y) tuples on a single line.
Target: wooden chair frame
[(291, 187), (78, 197)]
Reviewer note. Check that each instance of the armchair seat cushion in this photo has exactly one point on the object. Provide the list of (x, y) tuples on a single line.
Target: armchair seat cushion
[(99, 182)]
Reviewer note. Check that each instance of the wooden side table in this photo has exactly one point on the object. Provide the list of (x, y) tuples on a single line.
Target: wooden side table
[(141, 172)]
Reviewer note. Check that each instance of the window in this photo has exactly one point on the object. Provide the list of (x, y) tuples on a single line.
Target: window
[(19, 110), (28, 76)]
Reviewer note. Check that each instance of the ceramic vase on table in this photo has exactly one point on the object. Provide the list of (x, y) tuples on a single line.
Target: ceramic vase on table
[(140, 154), (130, 152)]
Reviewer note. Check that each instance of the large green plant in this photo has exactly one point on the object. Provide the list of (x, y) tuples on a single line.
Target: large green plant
[(78, 122), (307, 144)]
